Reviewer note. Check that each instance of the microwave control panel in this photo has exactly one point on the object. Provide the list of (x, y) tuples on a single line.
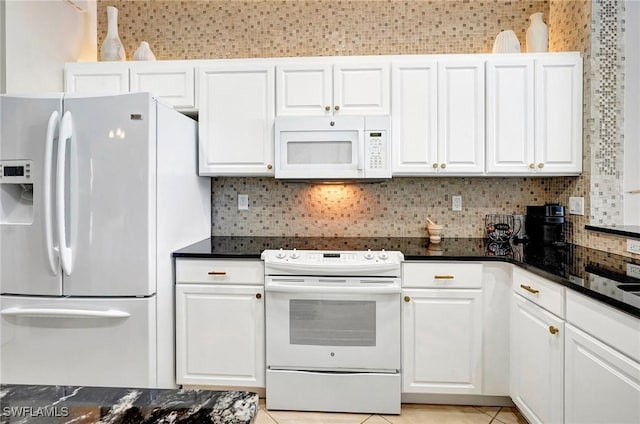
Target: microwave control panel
[(377, 140), (377, 150)]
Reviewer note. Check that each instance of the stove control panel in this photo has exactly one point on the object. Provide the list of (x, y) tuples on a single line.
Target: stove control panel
[(317, 257)]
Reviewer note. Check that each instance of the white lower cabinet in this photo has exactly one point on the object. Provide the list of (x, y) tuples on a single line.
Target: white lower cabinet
[(220, 335), (601, 384), (220, 327), (536, 365), (442, 341), (602, 363), (442, 328)]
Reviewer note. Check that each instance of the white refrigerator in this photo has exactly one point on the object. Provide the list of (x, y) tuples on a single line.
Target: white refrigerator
[(95, 194)]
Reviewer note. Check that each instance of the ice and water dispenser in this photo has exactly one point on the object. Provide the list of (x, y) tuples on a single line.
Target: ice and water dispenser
[(16, 192)]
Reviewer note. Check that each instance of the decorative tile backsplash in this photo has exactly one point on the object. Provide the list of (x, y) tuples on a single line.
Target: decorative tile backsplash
[(281, 28), (394, 208)]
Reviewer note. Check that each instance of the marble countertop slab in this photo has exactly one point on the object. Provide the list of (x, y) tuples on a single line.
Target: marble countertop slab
[(110, 405)]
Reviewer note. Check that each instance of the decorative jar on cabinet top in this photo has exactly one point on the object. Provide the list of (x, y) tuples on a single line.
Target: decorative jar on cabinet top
[(144, 52), (537, 34), (112, 48)]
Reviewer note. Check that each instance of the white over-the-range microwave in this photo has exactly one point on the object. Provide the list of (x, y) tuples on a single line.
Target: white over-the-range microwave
[(333, 148)]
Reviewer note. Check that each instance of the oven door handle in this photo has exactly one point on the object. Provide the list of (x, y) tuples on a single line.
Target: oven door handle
[(294, 288)]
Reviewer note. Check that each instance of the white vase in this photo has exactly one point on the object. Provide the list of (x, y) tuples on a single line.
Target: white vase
[(506, 42), (537, 34), (144, 52), (112, 48)]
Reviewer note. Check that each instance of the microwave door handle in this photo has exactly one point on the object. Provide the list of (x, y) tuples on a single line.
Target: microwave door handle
[(361, 150)]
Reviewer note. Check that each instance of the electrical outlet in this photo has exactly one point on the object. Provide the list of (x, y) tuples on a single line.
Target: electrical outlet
[(243, 202), (576, 205), (633, 246), (456, 203), (633, 270)]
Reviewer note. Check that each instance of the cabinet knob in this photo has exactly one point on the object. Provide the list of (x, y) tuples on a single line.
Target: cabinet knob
[(337, 107), (217, 272), (529, 289), (258, 295), (435, 165), (407, 299), (443, 165), (532, 165), (541, 165), (327, 108), (553, 330), (269, 166)]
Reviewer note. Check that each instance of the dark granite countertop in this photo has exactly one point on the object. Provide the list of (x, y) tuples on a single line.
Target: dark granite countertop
[(594, 273), (109, 405), (632, 231)]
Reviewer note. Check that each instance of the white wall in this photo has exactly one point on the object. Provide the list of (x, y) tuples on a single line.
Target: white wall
[(2, 55), (40, 36), (632, 114)]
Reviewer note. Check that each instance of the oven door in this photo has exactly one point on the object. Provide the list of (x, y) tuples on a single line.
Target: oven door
[(333, 323)]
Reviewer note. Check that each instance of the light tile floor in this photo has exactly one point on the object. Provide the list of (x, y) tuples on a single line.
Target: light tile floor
[(410, 414)]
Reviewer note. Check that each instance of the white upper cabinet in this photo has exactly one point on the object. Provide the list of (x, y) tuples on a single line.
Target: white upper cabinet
[(461, 116), (510, 114), (438, 116), (534, 115), (174, 82), (236, 119), (558, 117), (96, 78), (325, 88), (304, 89), (414, 123)]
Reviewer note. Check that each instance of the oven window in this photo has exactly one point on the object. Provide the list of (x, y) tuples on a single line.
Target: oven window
[(332, 322), (319, 152)]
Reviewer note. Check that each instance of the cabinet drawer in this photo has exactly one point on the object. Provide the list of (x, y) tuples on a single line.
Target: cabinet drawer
[(442, 275), (540, 291), (214, 271), (618, 329)]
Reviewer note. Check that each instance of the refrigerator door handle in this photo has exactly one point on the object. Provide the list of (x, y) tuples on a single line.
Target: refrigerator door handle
[(52, 249), (66, 145), (62, 313)]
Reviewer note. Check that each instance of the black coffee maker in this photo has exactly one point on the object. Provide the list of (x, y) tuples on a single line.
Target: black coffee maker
[(545, 225)]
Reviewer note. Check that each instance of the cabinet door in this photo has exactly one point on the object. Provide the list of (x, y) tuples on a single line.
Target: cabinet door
[(442, 341), (99, 78), (415, 103), (173, 83), (601, 384), (536, 365), (362, 89), (461, 116), (220, 335), (236, 120), (558, 125), (510, 116), (304, 89)]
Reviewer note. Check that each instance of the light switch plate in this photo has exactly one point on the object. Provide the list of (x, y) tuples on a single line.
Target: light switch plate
[(456, 203), (633, 246), (633, 270), (243, 202), (576, 205)]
